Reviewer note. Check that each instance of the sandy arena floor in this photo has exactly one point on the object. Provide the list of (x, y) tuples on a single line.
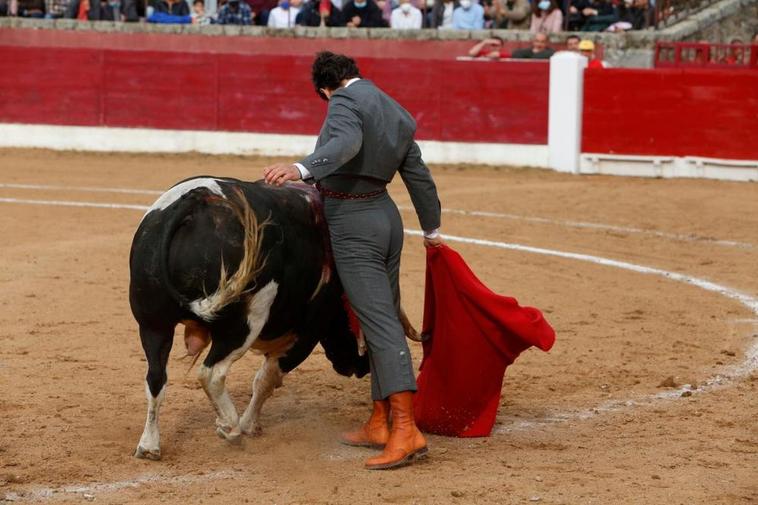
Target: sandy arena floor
[(587, 423)]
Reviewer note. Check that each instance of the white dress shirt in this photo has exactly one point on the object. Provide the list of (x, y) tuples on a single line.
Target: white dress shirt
[(402, 21), (282, 18)]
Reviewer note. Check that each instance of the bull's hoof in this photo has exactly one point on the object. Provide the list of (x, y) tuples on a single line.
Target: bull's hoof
[(234, 437), (151, 454)]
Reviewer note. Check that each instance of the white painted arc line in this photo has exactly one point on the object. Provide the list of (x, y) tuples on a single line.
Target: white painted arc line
[(45, 493), (594, 226), (749, 364), (477, 213), (745, 299), (84, 189), (68, 203)]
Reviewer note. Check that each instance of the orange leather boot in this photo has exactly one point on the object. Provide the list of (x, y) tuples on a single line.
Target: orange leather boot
[(406, 443), (375, 432)]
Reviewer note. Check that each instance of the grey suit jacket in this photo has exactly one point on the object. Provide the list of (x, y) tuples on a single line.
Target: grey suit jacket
[(368, 134)]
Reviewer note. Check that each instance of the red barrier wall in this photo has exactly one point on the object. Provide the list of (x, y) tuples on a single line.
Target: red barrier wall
[(674, 112), (212, 87)]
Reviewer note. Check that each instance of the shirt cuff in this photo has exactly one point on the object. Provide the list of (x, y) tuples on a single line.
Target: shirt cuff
[(432, 234), (304, 173)]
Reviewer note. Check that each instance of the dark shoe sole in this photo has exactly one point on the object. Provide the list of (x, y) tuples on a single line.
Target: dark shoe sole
[(367, 445), (407, 460)]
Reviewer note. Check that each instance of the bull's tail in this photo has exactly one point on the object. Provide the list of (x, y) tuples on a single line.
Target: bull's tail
[(232, 287)]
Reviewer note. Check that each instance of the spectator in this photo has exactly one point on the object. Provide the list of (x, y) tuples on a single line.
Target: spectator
[(512, 14), (442, 14), (572, 43), (755, 38), (488, 48), (469, 16), (633, 13), (284, 15), (406, 17), (736, 54), (235, 12), (260, 10), (57, 9), (538, 51), (597, 15), (172, 7), (104, 10), (363, 14), (31, 8), (168, 19), (320, 13), (198, 13), (546, 17), (587, 48)]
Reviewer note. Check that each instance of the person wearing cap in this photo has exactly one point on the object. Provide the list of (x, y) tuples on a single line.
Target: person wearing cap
[(235, 12), (587, 48), (367, 139)]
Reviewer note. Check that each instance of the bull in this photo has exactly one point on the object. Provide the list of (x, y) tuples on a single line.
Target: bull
[(244, 266)]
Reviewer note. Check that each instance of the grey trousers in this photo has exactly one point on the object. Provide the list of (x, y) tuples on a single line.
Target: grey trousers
[(367, 238)]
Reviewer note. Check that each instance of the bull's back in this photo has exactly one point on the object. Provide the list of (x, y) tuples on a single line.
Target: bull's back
[(193, 229)]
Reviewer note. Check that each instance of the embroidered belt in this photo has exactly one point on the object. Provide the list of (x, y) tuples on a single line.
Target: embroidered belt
[(348, 196)]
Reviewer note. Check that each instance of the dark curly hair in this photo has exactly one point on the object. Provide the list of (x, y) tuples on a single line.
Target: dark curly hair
[(330, 69)]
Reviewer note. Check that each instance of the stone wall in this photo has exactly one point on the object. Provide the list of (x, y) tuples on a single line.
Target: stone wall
[(721, 22)]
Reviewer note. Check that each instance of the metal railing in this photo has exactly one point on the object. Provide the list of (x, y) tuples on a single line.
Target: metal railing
[(696, 54)]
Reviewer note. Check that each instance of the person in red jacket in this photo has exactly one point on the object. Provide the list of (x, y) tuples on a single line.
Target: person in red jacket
[(587, 48)]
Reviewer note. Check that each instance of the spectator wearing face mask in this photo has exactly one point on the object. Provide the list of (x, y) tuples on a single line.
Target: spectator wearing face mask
[(441, 16), (406, 17), (469, 16), (363, 14), (546, 17), (538, 51), (285, 14)]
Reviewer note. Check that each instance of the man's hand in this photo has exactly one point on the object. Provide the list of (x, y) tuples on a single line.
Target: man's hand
[(280, 173), (356, 21), (433, 242)]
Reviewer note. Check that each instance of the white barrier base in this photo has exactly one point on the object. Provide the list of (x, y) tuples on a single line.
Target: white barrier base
[(669, 166), (85, 138)]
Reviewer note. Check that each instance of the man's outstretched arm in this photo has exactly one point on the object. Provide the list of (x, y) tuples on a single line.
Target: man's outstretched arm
[(344, 142), (423, 191)]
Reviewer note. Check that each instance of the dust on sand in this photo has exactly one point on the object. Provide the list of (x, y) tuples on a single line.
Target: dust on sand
[(71, 367)]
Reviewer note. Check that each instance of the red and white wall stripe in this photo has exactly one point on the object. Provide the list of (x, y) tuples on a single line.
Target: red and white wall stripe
[(174, 93)]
